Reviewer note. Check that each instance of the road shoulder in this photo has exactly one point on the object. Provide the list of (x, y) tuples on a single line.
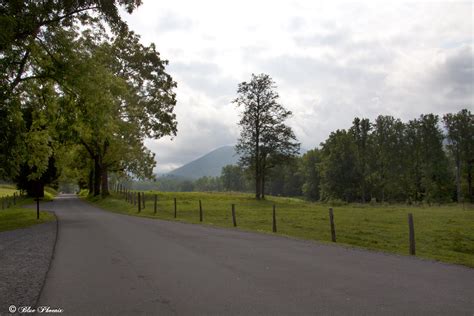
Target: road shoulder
[(25, 258)]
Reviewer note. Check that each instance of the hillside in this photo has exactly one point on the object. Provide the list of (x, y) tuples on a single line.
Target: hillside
[(208, 165)]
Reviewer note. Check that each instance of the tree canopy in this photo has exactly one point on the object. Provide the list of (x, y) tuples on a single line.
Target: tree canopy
[(75, 79)]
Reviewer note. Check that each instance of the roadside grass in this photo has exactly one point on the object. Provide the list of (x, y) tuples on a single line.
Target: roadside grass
[(49, 194), (444, 233), (7, 189), (18, 216)]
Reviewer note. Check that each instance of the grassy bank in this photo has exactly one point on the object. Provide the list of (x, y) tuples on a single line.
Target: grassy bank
[(18, 216), (7, 189), (444, 233)]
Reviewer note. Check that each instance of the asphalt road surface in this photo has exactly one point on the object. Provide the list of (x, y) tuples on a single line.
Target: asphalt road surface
[(108, 263)]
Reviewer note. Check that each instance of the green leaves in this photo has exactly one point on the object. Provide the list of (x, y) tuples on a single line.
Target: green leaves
[(39, 151), (265, 141), (387, 161), (460, 138), (67, 81)]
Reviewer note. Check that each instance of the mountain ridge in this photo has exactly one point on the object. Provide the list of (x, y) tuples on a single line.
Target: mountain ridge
[(209, 164)]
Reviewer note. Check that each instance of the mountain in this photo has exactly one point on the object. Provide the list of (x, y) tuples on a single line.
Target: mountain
[(208, 165)]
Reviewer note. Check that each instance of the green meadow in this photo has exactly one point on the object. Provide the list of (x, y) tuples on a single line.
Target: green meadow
[(6, 189), (18, 216), (444, 233)]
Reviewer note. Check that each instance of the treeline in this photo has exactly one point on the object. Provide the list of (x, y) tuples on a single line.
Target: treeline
[(178, 184), (428, 159)]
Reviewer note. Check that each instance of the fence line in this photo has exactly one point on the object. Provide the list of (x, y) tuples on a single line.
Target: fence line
[(137, 198)]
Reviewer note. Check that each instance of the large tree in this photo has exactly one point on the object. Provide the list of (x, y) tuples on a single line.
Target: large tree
[(118, 93), (340, 175), (29, 63), (360, 131), (460, 137), (265, 140), (106, 92), (387, 162)]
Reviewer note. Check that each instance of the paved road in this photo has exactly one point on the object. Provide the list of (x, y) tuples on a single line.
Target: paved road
[(107, 263)]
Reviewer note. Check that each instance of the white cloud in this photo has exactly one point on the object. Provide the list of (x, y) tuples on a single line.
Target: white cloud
[(331, 61)]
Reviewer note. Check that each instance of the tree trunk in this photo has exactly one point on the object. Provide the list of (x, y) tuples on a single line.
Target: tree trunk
[(469, 180), (104, 172), (90, 185), (262, 175), (458, 179), (97, 175), (257, 173), (257, 158), (105, 181), (257, 185)]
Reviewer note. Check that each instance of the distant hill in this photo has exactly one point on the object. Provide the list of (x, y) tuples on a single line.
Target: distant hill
[(208, 165)]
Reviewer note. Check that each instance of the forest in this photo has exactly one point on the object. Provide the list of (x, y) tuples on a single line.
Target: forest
[(427, 159)]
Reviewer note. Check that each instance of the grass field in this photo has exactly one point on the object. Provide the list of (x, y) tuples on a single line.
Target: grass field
[(6, 189), (17, 216), (444, 233)]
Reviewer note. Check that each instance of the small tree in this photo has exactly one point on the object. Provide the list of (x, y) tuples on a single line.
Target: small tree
[(265, 141)]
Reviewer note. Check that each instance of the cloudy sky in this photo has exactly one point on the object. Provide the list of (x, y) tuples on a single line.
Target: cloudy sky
[(331, 61)]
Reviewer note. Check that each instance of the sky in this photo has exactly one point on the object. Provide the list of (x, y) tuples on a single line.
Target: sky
[(331, 61)]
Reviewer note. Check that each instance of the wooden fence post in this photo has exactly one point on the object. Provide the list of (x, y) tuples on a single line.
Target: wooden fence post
[(37, 207), (333, 229), (233, 215), (200, 211), (175, 208), (139, 202), (156, 201), (274, 228), (411, 229)]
